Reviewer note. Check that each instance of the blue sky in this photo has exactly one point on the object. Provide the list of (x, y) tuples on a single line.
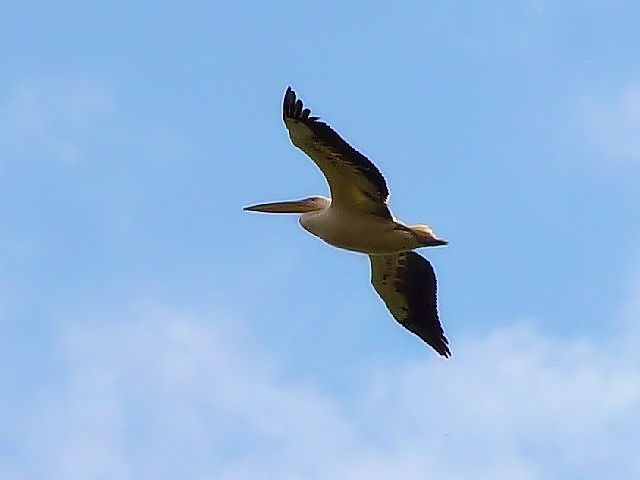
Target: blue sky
[(149, 328)]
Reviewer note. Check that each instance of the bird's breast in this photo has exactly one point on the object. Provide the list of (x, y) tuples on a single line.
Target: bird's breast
[(359, 232)]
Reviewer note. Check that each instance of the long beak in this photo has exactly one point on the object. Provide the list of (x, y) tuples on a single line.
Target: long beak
[(295, 206)]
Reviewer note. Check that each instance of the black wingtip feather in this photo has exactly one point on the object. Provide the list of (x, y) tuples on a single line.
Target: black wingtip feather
[(288, 102), (293, 108), (421, 283)]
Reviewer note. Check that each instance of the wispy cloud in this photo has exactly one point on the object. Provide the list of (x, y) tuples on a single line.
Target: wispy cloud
[(51, 117), (612, 123), (151, 394)]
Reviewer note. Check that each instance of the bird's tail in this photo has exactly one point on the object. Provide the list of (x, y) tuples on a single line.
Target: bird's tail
[(426, 236)]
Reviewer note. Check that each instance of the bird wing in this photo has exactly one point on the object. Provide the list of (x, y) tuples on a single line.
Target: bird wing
[(354, 181), (406, 283)]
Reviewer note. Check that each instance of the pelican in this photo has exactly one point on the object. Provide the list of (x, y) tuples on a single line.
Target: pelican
[(357, 218)]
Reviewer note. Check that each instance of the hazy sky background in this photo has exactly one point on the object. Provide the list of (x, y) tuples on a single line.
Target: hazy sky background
[(149, 328)]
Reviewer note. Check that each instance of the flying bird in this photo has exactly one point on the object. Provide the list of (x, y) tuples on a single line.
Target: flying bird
[(357, 218)]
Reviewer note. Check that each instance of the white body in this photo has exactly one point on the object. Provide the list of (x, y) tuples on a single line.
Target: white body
[(359, 232)]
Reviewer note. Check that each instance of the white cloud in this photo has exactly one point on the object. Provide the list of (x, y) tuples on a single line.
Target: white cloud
[(68, 119), (151, 394), (52, 117), (168, 396), (612, 123)]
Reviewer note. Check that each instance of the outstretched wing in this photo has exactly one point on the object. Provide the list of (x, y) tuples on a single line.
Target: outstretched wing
[(354, 181), (406, 283)]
